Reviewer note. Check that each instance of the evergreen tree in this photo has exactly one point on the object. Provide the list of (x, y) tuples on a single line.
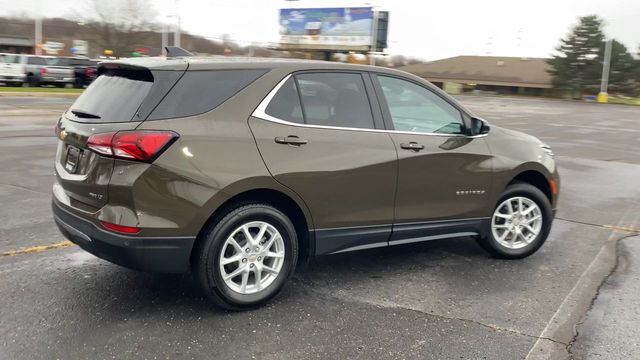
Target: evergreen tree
[(573, 68)]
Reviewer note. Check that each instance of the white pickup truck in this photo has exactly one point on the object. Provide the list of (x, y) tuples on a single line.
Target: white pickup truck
[(12, 71)]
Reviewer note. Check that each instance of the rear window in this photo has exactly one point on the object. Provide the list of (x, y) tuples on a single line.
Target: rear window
[(112, 97), (9, 59), (199, 91)]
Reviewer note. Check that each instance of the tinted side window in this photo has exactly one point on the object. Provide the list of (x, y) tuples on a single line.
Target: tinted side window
[(200, 91), (285, 105), (36, 61), (58, 61), (335, 99), (417, 109)]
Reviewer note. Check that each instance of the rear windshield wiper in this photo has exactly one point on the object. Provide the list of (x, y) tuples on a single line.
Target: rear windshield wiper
[(84, 114)]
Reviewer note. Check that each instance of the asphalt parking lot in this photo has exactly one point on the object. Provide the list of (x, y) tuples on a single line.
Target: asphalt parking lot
[(441, 299)]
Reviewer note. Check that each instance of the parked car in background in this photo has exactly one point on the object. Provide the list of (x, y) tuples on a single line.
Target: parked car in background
[(240, 169), (84, 69), (18, 69), (35, 69), (59, 72), (11, 70)]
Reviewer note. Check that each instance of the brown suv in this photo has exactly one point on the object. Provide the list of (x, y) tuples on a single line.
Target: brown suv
[(239, 169)]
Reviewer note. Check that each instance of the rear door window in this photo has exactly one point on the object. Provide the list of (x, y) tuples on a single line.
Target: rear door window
[(200, 91), (335, 99), (112, 97)]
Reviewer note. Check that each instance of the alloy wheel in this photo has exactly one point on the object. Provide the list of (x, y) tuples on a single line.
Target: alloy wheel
[(252, 257), (516, 222)]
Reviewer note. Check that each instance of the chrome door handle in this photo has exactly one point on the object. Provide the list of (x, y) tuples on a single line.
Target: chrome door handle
[(412, 146), (290, 140)]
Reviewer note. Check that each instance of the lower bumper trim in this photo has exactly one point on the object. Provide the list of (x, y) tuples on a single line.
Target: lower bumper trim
[(166, 255)]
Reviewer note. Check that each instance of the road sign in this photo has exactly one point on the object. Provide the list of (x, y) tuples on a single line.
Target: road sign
[(81, 46)]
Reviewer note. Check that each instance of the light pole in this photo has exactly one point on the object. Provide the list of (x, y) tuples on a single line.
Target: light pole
[(165, 35), (176, 34), (38, 36), (603, 96), (165, 39)]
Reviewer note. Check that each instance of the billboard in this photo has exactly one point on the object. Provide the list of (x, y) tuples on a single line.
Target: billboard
[(326, 28)]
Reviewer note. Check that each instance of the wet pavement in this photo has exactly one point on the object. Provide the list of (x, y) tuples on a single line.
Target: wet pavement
[(440, 299)]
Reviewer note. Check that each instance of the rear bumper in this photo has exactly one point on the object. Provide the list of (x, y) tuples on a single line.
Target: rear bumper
[(167, 255), (55, 80)]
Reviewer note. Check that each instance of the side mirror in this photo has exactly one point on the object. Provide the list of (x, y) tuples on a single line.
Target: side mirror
[(479, 126)]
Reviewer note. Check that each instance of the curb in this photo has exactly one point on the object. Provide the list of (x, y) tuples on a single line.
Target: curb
[(575, 306), (39, 94)]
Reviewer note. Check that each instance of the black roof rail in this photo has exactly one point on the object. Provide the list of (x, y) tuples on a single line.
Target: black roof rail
[(176, 51)]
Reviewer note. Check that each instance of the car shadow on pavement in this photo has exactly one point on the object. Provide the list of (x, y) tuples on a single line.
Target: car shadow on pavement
[(122, 290), (343, 271)]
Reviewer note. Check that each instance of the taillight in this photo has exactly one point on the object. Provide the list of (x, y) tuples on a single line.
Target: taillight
[(101, 143), (88, 72), (144, 145), (44, 71), (120, 228)]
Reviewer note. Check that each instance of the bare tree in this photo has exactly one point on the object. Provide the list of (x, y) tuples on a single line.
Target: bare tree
[(119, 25)]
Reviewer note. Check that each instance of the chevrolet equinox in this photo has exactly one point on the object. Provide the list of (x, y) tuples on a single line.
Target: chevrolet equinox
[(239, 169)]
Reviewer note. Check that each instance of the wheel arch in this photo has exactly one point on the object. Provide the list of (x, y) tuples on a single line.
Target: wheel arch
[(535, 178), (277, 199)]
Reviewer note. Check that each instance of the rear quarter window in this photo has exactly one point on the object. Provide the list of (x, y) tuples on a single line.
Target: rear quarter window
[(200, 91)]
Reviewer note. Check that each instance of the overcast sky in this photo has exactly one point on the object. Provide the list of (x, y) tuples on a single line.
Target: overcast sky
[(426, 29)]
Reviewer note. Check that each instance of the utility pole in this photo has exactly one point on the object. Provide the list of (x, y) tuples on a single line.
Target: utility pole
[(603, 96), (38, 36)]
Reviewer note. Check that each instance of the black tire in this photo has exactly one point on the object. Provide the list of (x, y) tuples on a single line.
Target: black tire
[(491, 245), (206, 260), (32, 81)]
